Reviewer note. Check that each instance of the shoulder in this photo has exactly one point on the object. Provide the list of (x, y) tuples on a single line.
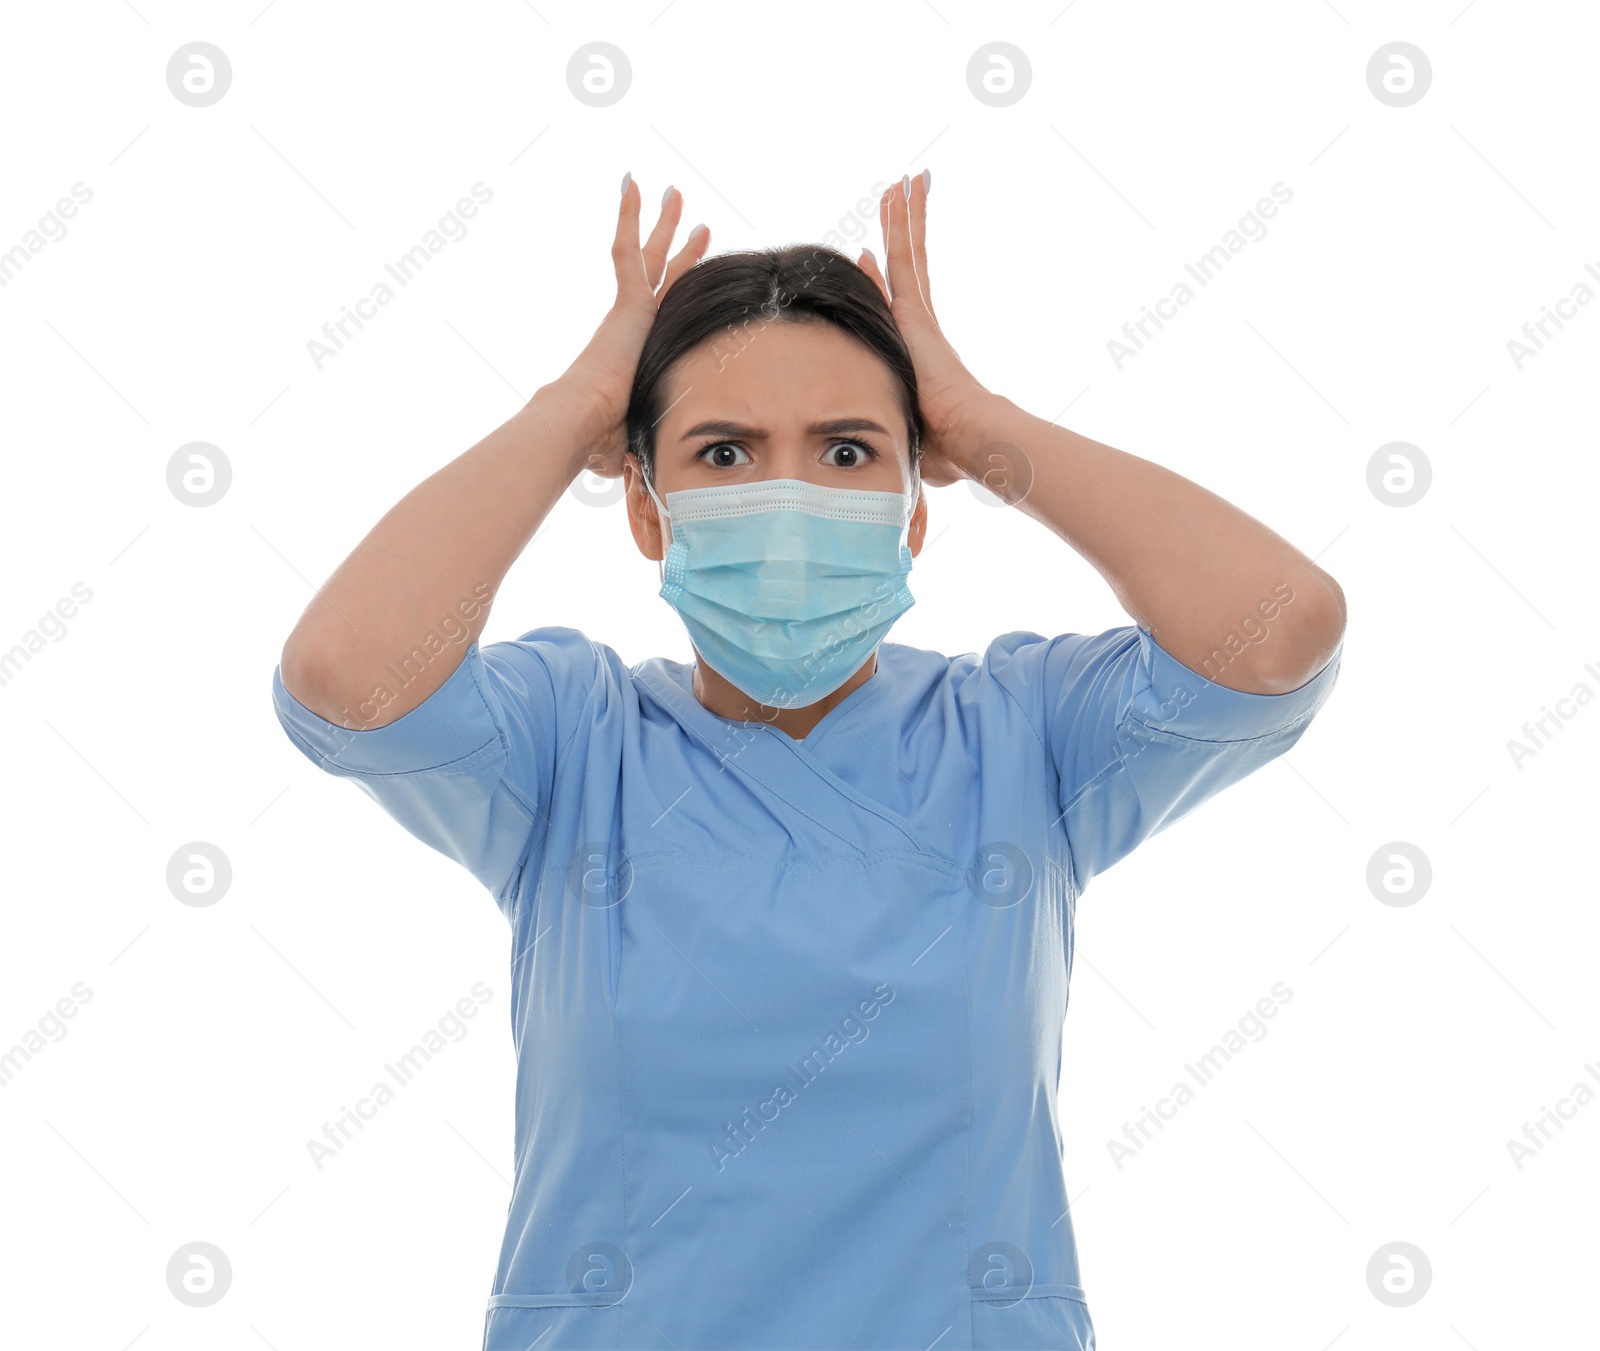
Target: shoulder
[(568, 657), (1002, 679), (1016, 664), (557, 679)]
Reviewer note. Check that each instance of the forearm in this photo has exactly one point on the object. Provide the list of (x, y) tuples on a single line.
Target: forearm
[(429, 569), (1184, 563)]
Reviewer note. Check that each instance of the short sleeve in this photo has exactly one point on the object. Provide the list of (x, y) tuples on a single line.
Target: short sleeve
[(470, 770), (1136, 738)]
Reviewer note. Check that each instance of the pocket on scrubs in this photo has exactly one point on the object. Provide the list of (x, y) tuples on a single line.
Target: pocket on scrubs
[(1053, 1317), (546, 1327)]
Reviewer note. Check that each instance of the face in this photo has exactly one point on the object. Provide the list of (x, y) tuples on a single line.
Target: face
[(800, 400)]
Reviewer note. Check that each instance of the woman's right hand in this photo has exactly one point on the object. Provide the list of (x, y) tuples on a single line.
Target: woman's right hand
[(601, 379)]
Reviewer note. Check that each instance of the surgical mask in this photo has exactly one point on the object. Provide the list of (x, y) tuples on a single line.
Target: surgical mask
[(787, 587)]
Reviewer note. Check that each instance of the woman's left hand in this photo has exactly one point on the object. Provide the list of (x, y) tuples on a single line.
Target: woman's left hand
[(950, 395)]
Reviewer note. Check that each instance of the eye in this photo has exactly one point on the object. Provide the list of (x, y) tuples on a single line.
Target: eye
[(858, 452), (711, 453)]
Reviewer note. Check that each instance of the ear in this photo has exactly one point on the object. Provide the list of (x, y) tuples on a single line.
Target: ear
[(643, 517), (919, 523)]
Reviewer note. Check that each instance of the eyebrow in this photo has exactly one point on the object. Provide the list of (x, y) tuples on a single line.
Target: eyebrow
[(829, 428)]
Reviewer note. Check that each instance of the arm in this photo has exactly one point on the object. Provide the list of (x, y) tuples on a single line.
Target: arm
[(1204, 577), (436, 559), (1192, 569)]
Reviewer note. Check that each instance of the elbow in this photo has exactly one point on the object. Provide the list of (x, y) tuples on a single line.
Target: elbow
[(1334, 603), (306, 671), (1312, 629), (1328, 614), (1287, 649)]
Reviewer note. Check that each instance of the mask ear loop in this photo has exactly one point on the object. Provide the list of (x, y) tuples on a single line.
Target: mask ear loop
[(916, 490), (650, 488)]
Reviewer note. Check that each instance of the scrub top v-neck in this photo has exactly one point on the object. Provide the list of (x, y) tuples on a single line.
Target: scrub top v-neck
[(788, 1013)]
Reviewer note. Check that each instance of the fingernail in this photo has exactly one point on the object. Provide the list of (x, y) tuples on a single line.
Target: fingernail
[(905, 184), (927, 181), (698, 230), (626, 179), (666, 194), (868, 253)]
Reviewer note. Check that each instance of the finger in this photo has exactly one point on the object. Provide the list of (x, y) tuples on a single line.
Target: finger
[(918, 207), (655, 248), (883, 220), (693, 250), (625, 256), (869, 264), (897, 245)]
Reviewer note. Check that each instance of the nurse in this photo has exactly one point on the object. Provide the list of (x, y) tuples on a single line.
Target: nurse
[(792, 925)]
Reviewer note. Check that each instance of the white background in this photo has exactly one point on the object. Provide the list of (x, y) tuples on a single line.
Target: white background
[(178, 307)]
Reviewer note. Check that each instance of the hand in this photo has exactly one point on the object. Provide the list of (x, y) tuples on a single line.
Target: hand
[(600, 381), (948, 392)]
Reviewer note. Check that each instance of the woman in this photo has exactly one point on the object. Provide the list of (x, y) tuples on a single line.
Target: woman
[(793, 926)]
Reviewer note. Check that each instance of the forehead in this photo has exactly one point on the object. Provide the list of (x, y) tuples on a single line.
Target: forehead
[(770, 372)]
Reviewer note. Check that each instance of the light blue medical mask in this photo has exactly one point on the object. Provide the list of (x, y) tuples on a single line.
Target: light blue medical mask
[(787, 587)]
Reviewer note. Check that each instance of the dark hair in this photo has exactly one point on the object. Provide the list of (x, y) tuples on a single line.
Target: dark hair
[(800, 283)]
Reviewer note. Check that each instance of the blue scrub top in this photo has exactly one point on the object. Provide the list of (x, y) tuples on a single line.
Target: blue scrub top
[(788, 1014)]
